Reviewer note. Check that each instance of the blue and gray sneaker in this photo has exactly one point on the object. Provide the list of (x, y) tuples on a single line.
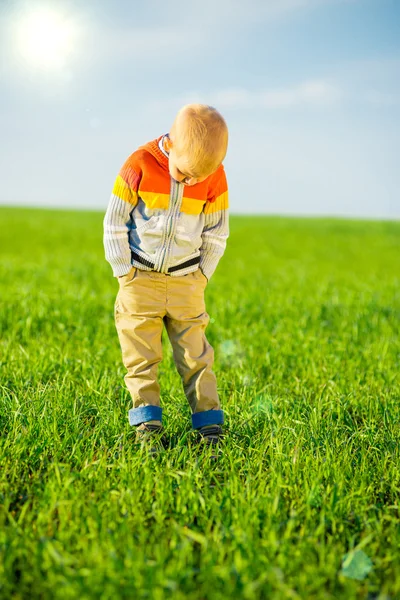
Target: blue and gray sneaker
[(210, 435)]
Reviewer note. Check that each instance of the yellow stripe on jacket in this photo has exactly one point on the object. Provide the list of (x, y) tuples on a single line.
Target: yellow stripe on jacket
[(154, 200), (221, 202), (123, 191)]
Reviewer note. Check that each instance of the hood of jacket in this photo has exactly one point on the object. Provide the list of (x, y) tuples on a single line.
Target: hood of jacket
[(154, 149)]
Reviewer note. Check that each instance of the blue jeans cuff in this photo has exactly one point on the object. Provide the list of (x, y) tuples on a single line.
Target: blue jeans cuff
[(207, 417), (142, 414)]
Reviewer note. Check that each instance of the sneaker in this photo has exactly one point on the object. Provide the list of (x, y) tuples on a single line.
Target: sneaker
[(151, 437), (211, 435)]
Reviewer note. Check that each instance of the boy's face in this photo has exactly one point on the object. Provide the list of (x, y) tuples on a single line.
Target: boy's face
[(177, 170), (181, 175)]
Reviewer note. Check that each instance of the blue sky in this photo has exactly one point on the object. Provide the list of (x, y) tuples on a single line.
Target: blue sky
[(310, 90)]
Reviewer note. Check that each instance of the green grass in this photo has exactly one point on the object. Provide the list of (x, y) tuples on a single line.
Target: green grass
[(305, 326)]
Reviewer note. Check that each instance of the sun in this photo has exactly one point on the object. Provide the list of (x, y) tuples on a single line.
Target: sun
[(45, 38)]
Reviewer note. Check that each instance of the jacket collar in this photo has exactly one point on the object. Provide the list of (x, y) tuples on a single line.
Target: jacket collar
[(161, 144)]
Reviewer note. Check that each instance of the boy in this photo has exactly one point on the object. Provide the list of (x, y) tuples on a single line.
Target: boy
[(165, 230)]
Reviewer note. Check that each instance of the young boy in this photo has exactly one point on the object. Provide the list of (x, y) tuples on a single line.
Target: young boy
[(165, 230)]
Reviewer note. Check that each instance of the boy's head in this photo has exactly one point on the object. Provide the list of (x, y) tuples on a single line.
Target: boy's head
[(197, 143)]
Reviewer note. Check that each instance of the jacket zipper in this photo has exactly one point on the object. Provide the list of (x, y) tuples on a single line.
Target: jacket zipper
[(172, 217)]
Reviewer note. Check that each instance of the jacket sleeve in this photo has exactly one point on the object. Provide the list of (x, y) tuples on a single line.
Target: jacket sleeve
[(118, 218), (216, 224)]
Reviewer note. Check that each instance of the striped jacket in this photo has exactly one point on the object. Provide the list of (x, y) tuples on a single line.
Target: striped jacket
[(155, 223)]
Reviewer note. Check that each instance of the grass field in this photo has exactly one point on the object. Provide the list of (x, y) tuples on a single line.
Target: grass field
[(304, 503)]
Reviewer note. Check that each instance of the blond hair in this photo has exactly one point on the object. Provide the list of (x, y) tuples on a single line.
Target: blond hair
[(200, 138)]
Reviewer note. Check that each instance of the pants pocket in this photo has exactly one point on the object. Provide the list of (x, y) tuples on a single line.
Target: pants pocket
[(199, 273), (130, 276)]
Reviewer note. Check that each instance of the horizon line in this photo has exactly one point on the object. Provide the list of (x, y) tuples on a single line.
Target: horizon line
[(344, 217)]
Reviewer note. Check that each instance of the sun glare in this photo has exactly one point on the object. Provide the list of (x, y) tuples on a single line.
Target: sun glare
[(45, 38)]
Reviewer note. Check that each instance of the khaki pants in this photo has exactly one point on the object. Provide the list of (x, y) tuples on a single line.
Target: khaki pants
[(146, 301)]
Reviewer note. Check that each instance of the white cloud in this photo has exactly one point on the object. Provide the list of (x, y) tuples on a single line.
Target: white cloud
[(315, 93), (310, 93), (337, 89)]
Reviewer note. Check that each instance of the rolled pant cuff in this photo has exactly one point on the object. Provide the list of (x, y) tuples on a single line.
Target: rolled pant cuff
[(142, 414), (207, 417)]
